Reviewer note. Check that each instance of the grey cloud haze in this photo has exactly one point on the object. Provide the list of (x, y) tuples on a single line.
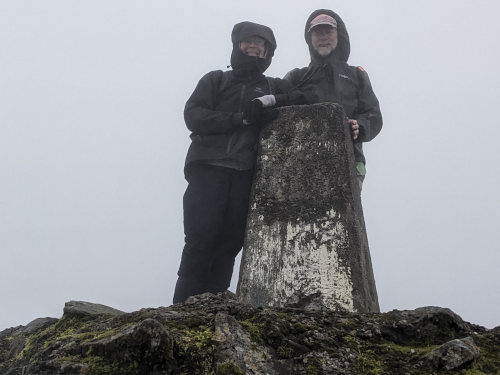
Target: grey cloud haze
[(92, 145)]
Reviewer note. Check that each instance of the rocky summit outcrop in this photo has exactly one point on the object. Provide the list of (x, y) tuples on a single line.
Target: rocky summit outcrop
[(217, 335)]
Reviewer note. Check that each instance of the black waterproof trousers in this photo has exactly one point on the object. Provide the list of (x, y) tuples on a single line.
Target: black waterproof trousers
[(215, 213)]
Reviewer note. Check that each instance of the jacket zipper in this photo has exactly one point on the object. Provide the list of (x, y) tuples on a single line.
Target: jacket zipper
[(240, 105)]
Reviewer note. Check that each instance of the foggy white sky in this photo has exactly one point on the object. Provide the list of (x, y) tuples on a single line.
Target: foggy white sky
[(92, 145)]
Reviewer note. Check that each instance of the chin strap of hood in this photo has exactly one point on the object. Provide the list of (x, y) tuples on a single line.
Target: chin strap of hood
[(343, 49), (251, 64)]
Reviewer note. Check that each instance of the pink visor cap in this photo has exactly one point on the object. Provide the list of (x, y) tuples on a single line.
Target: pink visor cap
[(322, 19)]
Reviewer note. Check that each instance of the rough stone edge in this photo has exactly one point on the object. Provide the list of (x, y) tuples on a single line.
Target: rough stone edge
[(82, 308)]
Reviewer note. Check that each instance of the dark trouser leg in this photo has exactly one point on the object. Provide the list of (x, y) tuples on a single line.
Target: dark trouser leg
[(205, 203), (232, 236)]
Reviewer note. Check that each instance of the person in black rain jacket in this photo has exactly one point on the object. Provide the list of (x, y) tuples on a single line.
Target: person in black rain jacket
[(329, 78), (224, 114)]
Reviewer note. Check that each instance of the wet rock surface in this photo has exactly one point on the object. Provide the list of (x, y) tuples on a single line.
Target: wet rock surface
[(218, 335), (83, 308), (453, 354)]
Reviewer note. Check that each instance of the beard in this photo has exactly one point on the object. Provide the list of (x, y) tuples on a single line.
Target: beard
[(326, 49)]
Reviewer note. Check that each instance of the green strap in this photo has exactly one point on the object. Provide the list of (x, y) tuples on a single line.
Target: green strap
[(360, 168)]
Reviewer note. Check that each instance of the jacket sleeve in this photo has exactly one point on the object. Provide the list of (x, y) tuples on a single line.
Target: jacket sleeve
[(200, 114), (293, 76), (368, 112), (298, 77), (286, 94)]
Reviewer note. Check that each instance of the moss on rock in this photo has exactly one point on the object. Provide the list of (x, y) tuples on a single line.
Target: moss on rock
[(181, 339)]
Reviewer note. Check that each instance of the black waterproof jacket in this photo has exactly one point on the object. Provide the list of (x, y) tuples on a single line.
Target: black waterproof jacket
[(331, 79), (214, 115)]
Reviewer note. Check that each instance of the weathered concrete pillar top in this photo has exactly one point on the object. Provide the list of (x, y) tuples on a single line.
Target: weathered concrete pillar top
[(306, 241)]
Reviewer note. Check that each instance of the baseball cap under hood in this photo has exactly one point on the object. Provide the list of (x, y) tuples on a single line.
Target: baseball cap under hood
[(343, 49)]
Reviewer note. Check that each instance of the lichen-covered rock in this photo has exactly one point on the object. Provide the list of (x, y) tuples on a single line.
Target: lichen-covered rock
[(218, 335), (16, 337), (33, 326), (87, 308), (453, 354), (431, 324), (146, 346), (235, 345)]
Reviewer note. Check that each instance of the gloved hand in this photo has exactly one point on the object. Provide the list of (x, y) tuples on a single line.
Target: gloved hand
[(252, 112), (267, 100)]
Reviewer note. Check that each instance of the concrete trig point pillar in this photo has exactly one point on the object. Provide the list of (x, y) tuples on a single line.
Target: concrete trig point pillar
[(306, 243)]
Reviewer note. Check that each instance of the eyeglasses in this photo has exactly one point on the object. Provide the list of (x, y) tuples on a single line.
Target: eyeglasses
[(259, 42)]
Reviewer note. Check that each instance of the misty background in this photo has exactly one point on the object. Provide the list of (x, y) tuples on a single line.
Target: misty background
[(92, 145)]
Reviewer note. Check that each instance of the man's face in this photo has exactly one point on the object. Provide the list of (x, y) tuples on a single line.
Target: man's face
[(324, 39), (253, 46)]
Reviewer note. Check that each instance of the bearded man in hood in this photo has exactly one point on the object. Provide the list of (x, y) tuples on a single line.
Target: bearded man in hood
[(329, 78), (224, 115)]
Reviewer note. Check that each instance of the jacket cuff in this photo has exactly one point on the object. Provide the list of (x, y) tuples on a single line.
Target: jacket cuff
[(362, 133), (267, 100), (237, 118), (281, 99)]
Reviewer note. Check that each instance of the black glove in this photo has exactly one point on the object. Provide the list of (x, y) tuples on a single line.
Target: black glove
[(252, 112)]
